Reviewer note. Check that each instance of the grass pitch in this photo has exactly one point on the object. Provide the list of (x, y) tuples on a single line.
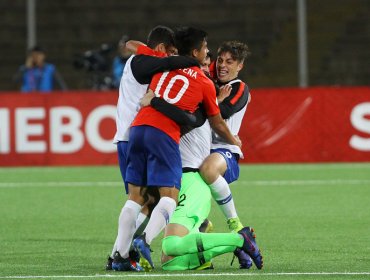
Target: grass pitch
[(311, 221)]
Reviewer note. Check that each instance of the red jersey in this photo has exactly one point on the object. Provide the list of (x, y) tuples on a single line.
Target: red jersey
[(212, 70), (144, 49), (184, 88)]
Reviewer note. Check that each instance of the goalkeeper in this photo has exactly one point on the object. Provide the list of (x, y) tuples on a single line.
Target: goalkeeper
[(184, 247)]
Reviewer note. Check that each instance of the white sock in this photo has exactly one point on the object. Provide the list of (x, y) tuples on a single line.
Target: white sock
[(114, 248), (127, 227), (141, 222), (159, 218), (221, 193)]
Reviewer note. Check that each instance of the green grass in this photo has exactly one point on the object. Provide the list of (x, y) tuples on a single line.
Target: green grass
[(308, 219)]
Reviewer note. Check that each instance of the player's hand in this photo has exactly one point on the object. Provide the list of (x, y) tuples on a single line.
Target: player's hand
[(224, 93), (29, 62), (238, 141), (145, 101)]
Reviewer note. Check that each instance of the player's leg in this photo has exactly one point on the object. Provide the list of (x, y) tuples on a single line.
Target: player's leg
[(126, 229), (143, 216), (163, 172), (151, 197), (214, 244), (218, 170), (193, 207), (199, 242), (195, 260), (141, 223), (136, 177)]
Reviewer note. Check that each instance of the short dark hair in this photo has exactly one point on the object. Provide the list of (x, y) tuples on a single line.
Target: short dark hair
[(238, 50), (36, 49), (189, 38), (161, 34)]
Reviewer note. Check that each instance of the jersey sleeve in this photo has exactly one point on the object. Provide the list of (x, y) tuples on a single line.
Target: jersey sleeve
[(235, 101), (145, 50), (145, 66), (212, 70)]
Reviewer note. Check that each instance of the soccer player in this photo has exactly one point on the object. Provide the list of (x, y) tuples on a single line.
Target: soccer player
[(153, 151), (221, 167), (183, 246), (194, 206), (137, 74), (206, 64)]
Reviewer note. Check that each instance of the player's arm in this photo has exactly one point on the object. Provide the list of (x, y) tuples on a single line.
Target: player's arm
[(220, 127), (214, 116), (133, 46), (181, 117), (144, 66), (236, 101)]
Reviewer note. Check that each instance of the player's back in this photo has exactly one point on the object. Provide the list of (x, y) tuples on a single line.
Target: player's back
[(130, 93), (184, 88)]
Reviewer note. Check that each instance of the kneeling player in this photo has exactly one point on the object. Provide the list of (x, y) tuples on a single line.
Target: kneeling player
[(184, 247)]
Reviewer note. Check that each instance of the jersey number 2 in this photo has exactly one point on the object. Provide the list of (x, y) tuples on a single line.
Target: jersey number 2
[(181, 200)]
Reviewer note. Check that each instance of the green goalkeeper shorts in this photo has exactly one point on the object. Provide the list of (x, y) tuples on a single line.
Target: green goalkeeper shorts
[(194, 202)]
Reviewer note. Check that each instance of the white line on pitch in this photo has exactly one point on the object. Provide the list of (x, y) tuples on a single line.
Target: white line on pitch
[(144, 275), (243, 182)]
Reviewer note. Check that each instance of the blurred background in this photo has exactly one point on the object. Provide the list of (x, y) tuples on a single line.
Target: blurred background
[(337, 34)]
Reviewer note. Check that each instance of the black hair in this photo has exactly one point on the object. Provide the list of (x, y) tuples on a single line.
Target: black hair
[(161, 34), (36, 49), (238, 50), (189, 38), (124, 39)]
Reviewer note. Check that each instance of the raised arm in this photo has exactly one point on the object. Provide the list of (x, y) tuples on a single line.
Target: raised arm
[(236, 101), (132, 46), (144, 66)]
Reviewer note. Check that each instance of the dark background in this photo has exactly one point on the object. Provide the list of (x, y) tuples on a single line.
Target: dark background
[(338, 35)]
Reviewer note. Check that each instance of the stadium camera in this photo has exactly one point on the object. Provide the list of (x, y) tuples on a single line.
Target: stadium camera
[(93, 60)]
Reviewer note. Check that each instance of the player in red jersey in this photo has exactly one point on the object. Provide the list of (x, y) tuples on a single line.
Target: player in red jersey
[(153, 151), (137, 75)]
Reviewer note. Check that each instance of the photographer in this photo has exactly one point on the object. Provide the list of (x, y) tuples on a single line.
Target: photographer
[(37, 75)]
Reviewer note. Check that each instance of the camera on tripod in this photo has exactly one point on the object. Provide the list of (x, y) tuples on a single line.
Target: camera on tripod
[(97, 63)]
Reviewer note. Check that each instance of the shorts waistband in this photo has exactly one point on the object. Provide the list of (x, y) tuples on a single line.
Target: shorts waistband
[(189, 169)]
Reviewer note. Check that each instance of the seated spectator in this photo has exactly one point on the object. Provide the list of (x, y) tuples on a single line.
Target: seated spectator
[(119, 61), (38, 75)]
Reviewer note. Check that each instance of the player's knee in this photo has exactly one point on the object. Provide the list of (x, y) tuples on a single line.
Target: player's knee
[(208, 172), (169, 245), (165, 247)]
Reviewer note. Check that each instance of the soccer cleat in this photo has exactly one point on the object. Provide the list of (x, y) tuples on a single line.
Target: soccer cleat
[(145, 265), (234, 224), (121, 264), (143, 249), (205, 266), (250, 246), (133, 255), (245, 261), (108, 266), (206, 226)]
